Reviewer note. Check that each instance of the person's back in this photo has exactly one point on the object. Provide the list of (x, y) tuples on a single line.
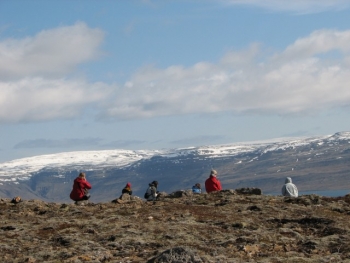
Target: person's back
[(80, 187), (196, 189), (127, 189), (151, 192), (289, 189), (212, 183)]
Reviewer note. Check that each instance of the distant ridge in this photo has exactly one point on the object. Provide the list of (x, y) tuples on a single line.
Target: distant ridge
[(261, 164), (23, 168)]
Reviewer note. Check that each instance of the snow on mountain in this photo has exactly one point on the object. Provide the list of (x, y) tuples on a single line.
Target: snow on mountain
[(23, 169)]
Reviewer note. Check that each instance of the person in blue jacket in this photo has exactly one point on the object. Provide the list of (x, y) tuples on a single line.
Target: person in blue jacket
[(196, 189)]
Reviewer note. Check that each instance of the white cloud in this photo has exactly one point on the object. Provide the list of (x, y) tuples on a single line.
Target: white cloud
[(305, 77), (33, 84), (38, 99), (51, 52), (295, 6), (321, 41), (310, 74)]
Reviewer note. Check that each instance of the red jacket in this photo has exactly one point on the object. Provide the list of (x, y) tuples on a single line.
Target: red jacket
[(212, 184), (78, 188)]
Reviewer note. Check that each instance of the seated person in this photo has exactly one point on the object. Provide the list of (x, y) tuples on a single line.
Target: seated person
[(289, 189), (126, 190), (213, 184), (80, 188), (196, 189), (151, 192)]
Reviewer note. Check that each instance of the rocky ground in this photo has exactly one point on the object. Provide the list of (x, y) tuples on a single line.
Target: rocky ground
[(226, 226)]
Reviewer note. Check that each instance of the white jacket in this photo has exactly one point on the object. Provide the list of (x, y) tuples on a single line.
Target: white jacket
[(289, 189)]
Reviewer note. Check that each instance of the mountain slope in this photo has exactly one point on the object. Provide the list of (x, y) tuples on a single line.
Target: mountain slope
[(315, 163)]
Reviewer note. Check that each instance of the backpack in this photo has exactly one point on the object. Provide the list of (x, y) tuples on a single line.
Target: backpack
[(148, 193)]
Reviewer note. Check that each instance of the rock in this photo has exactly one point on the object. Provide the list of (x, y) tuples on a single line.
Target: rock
[(254, 208), (179, 194), (249, 191), (81, 203), (118, 201), (125, 197), (177, 254), (239, 225)]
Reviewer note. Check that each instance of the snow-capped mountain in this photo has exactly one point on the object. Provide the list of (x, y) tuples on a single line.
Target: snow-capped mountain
[(239, 164)]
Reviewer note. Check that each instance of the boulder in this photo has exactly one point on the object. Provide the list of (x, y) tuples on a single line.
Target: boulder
[(249, 191)]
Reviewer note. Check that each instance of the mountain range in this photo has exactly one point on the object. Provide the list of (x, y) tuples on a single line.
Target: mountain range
[(313, 163)]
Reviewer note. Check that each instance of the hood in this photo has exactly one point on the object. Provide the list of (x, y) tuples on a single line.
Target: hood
[(288, 180)]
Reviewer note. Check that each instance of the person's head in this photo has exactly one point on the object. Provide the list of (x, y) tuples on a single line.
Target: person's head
[(128, 185), (82, 175), (155, 183), (198, 185), (288, 180), (213, 173)]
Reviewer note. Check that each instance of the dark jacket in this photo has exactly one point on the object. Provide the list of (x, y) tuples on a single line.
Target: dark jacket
[(212, 184), (151, 192), (78, 189), (127, 190)]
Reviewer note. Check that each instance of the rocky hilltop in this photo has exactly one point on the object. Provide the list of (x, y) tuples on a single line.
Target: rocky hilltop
[(227, 226)]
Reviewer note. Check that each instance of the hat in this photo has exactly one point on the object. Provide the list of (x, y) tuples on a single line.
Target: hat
[(128, 185), (213, 172), (155, 183)]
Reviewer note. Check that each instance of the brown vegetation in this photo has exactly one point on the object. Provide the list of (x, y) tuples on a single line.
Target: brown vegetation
[(225, 226)]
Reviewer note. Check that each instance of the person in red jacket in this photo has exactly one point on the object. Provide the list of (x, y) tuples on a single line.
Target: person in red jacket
[(80, 188), (212, 183)]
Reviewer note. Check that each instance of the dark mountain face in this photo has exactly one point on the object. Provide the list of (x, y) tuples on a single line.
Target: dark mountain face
[(322, 164)]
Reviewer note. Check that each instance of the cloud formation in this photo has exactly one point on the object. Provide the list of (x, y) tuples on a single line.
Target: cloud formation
[(311, 74), (40, 99), (53, 52), (295, 6), (33, 71)]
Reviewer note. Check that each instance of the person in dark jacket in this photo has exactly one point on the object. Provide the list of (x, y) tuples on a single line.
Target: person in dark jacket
[(212, 183), (127, 189), (151, 192), (80, 188)]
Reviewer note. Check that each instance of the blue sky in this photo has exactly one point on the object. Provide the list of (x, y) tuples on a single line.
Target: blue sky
[(99, 75)]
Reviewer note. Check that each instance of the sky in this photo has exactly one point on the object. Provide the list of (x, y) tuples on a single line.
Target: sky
[(161, 74)]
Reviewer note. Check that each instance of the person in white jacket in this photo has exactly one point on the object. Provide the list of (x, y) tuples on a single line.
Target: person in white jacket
[(289, 189)]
